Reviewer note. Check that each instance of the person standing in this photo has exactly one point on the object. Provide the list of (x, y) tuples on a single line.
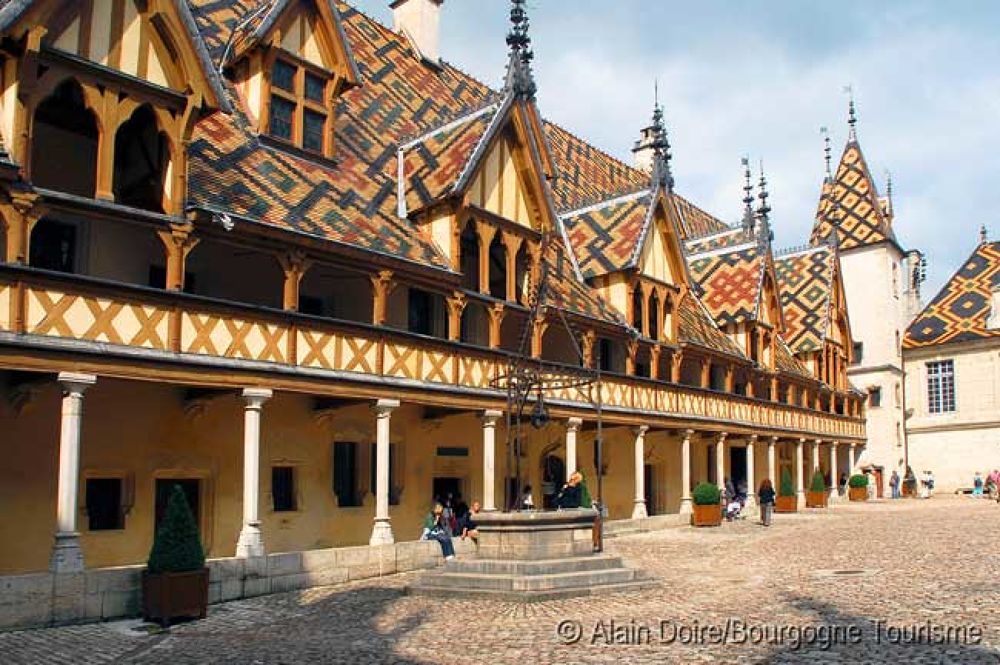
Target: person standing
[(977, 486), (766, 496), (894, 484)]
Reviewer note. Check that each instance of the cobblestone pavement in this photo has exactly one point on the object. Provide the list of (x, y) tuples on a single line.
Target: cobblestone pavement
[(862, 573)]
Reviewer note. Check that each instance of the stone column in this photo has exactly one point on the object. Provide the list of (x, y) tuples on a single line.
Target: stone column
[(850, 459), (251, 541), (772, 466), (382, 531), (639, 511), (751, 481), (686, 472), (815, 458), (800, 489), (490, 419), (66, 555), (834, 481), (572, 427), (720, 461)]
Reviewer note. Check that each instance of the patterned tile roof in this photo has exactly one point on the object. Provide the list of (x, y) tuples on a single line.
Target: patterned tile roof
[(729, 281), (696, 222), (959, 312), (788, 363), (567, 292), (850, 204), (805, 282), (604, 237), (730, 237), (697, 328)]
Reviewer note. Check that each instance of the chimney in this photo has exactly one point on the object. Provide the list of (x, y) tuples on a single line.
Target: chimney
[(420, 22), (993, 322), (642, 153)]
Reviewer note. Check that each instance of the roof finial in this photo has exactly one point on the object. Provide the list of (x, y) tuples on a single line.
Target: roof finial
[(826, 151), (662, 175), (983, 237), (888, 192), (748, 215), (852, 113), (764, 234), (520, 80)]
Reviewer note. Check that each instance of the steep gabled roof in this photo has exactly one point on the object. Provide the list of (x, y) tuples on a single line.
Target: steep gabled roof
[(849, 203), (959, 312), (565, 291), (604, 236), (786, 362), (805, 281), (697, 328), (729, 281), (696, 222)]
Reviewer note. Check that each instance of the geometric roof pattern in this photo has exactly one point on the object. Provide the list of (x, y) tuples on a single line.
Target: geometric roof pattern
[(729, 281), (696, 222), (696, 327), (785, 362), (850, 205), (805, 282), (959, 312), (604, 236)]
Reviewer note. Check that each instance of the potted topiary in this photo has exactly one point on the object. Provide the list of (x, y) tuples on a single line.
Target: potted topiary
[(786, 501), (817, 496), (707, 505), (175, 582), (857, 487)]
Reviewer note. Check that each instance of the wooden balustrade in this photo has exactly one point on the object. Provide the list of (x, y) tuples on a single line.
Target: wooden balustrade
[(88, 310)]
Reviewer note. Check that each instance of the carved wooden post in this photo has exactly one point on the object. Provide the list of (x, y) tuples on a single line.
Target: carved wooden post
[(497, 313), (630, 360), (106, 146), (587, 341), (456, 305), (485, 232), (512, 245), (178, 243), (654, 361), (537, 334), (730, 379), (294, 264), (676, 362), (706, 373), (382, 286)]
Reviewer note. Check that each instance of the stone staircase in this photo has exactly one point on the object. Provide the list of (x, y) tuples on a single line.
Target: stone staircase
[(531, 580)]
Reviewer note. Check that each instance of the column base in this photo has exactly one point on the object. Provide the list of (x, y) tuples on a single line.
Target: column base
[(382, 533), (750, 506), (251, 542), (801, 499), (834, 496), (639, 512), (686, 506), (67, 557)]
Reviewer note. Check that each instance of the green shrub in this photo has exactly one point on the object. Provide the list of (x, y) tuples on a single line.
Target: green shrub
[(818, 482), (707, 494), (177, 544), (857, 480), (786, 488)]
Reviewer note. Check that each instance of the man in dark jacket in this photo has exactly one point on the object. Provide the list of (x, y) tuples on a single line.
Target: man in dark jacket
[(569, 496)]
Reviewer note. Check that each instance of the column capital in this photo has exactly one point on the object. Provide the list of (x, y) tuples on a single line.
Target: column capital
[(385, 407), (722, 437), (255, 397), (773, 440), (491, 416), (640, 430), (573, 424), (753, 438), (819, 442), (75, 383)]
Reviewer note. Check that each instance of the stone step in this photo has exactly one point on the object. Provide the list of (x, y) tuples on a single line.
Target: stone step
[(541, 582), (541, 567), (531, 595)]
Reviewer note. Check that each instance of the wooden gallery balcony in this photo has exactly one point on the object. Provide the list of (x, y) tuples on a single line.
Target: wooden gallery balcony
[(53, 321)]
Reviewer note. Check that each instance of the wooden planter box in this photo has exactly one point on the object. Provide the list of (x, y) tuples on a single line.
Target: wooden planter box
[(857, 493), (167, 596), (707, 515), (816, 499), (786, 504)]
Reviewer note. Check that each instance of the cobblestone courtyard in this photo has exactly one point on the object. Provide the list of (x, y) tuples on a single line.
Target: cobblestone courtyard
[(869, 570)]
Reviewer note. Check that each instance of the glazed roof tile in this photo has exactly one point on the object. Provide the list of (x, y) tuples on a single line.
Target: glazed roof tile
[(729, 281), (697, 328), (805, 281), (959, 312), (604, 237)]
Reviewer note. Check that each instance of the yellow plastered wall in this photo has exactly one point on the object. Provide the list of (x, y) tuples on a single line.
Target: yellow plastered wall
[(498, 187), (654, 259)]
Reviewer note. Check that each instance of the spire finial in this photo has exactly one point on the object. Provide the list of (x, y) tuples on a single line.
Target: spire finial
[(826, 151), (852, 113), (662, 175), (520, 80), (888, 191), (983, 237), (748, 215), (764, 234)]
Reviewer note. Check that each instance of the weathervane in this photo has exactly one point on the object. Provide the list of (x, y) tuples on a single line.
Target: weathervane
[(826, 150), (852, 114)]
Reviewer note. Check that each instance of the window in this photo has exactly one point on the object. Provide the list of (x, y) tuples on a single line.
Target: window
[(300, 106), (859, 352), (941, 386), (283, 489), (875, 397), (105, 509), (345, 474)]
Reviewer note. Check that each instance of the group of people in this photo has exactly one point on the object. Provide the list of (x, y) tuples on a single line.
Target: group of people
[(990, 485), (926, 484), (449, 518)]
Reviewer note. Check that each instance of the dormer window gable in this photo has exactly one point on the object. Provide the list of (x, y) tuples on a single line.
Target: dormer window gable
[(290, 69)]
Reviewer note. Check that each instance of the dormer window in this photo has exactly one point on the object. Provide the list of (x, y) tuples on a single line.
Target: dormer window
[(300, 110)]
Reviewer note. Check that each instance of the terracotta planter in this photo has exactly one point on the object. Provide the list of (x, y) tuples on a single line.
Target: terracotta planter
[(786, 504), (857, 493), (707, 515), (167, 596), (816, 499)]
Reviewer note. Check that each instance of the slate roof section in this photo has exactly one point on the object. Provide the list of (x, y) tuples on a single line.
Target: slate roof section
[(805, 282), (850, 205), (959, 312)]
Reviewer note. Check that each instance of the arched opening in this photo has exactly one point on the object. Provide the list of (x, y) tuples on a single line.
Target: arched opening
[(522, 269), (654, 316), (468, 247), (64, 143), (668, 318), (335, 293), (637, 308), (498, 268), (142, 161), (475, 328), (558, 345)]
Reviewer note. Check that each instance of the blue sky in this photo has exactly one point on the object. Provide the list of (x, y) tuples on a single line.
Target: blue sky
[(760, 78)]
